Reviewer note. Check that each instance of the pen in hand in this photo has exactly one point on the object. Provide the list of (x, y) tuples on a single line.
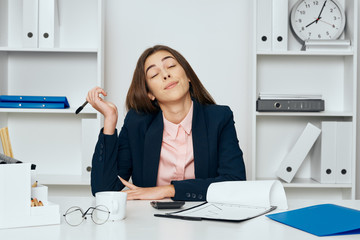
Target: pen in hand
[(81, 107)]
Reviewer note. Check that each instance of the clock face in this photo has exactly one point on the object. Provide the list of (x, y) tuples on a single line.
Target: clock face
[(321, 19)]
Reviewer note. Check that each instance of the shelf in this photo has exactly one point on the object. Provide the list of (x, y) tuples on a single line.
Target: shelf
[(70, 50), (285, 69), (310, 183), (63, 179), (58, 141), (304, 114), (308, 53)]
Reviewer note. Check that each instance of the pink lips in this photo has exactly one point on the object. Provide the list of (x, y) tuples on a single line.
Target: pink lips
[(171, 85)]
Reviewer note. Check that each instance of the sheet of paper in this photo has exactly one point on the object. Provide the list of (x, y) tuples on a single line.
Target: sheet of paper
[(253, 193), (224, 211)]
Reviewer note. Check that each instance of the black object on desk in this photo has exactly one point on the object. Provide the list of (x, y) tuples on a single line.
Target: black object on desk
[(167, 205)]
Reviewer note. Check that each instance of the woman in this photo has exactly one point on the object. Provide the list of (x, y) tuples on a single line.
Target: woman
[(174, 142)]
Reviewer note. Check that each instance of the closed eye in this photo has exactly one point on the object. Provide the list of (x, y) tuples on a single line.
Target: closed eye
[(154, 75), (172, 66)]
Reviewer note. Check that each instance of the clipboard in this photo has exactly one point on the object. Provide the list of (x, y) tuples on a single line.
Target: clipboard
[(218, 212), (235, 201)]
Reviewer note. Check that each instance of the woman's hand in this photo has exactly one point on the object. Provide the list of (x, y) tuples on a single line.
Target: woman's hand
[(150, 193), (108, 109)]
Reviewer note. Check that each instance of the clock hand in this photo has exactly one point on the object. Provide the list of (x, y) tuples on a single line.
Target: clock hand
[(318, 18), (315, 21), (327, 23)]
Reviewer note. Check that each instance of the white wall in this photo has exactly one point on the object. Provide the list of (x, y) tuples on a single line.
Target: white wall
[(214, 36)]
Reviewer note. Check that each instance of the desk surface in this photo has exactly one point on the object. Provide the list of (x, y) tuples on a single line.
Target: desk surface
[(141, 224)]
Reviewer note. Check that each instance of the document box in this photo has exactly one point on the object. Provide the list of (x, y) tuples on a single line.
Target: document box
[(15, 200)]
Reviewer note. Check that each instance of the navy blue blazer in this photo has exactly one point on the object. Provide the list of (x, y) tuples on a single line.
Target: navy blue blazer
[(136, 152)]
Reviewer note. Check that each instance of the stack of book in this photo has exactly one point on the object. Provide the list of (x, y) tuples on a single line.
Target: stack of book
[(290, 103)]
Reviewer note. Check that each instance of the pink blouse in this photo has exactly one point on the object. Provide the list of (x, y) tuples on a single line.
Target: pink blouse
[(176, 156)]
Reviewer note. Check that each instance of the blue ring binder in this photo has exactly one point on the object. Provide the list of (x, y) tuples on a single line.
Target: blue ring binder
[(17, 101)]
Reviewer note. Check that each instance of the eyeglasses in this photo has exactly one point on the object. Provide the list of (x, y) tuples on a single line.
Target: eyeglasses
[(74, 216)]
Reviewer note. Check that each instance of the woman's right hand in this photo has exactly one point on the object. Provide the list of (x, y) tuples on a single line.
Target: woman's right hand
[(108, 109)]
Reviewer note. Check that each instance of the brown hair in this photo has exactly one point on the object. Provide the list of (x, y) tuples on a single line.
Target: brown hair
[(137, 97)]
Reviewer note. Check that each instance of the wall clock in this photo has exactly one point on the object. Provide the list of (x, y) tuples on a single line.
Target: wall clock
[(317, 20)]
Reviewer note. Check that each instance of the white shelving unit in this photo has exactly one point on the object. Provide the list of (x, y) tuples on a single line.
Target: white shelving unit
[(59, 142), (331, 73)]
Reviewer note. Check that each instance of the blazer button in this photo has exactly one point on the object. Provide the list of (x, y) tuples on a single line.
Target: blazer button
[(193, 195), (187, 195), (100, 158), (102, 145), (199, 196)]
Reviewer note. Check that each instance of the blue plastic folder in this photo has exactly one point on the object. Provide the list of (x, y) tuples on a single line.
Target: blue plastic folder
[(15, 101), (321, 220)]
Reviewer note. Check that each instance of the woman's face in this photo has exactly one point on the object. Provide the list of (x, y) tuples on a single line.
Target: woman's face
[(165, 78)]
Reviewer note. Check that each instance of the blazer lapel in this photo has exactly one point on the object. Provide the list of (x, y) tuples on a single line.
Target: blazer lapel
[(200, 142), (152, 148)]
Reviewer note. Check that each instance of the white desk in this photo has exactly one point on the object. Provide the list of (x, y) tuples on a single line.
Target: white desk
[(141, 224)]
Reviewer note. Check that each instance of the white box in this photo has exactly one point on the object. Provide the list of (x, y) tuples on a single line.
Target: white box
[(48, 24), (280, 25), (293, 160), (343, 152), (40, 193), (264, 25), (323, 160), (15, 200), (14, 192), (331, 161), (30, 23)]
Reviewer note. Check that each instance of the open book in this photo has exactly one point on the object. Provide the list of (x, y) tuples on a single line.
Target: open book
[(236, 201)]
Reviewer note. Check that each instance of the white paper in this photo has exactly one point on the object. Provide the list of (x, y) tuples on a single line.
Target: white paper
[(224, 211), (272, 96)]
